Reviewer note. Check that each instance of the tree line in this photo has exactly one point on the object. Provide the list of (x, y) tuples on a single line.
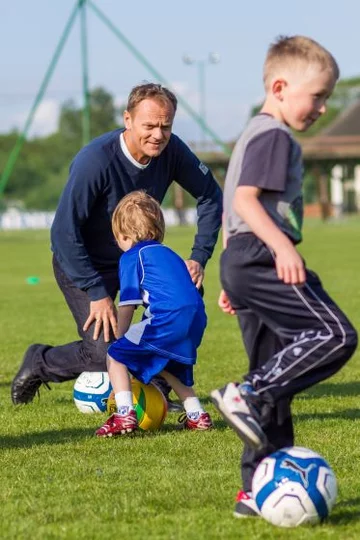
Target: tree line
[(41, 170), (42, 167)]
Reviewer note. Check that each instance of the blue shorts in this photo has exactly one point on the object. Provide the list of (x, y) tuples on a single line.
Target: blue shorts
[(144, 363)]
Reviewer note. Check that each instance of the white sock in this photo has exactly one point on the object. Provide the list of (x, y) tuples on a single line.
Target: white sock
[(124, 402), (193, 407)]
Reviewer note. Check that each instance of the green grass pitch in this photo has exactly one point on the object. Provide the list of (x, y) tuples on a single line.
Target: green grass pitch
[(59, 482)]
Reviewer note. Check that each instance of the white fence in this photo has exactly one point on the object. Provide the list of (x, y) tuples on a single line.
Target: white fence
[(16, 219)]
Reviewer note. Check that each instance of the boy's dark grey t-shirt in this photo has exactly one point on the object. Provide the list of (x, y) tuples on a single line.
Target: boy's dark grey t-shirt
[(268, 157)]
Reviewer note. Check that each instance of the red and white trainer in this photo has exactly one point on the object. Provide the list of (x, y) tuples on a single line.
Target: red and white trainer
[(245, 505), (118, 424), (200, 422)]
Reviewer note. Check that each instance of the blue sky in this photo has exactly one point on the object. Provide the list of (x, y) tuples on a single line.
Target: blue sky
[(163, 31)]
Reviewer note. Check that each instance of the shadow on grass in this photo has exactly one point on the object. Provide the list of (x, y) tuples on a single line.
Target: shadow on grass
[(218, 425), (332, 389), (346, 389), (63, 436), (345, 512), (346, 414), (27, 440)]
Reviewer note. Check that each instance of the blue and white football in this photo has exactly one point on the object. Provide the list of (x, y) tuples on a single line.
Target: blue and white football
[(294, 486), (91, 391)]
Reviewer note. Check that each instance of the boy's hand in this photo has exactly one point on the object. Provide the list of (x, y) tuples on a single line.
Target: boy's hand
[(290, 266), (224, 303), (104, 313), (196, 272)]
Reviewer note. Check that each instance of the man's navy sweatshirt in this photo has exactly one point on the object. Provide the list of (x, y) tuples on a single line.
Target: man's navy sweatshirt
[(100, 175)]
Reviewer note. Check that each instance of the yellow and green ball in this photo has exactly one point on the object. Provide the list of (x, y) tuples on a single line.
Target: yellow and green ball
[(149, 403)]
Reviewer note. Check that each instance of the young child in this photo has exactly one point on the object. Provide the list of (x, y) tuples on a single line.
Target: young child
[(172, 326), (294, 334)]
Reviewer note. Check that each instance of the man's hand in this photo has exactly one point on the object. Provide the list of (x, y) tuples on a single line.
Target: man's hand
[(104, 313), (196, 272), (224, 303)]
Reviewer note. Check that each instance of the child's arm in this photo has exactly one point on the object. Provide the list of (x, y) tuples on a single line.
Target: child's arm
[(289, 264), (125, 315)]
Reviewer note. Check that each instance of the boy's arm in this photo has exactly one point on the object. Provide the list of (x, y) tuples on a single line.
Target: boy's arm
[(289, 264), (125, 315)]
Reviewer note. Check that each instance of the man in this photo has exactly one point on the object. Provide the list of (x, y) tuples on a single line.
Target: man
[(145, 155)]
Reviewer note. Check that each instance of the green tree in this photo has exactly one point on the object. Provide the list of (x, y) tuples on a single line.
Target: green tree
[(104, 116), (41, 170)]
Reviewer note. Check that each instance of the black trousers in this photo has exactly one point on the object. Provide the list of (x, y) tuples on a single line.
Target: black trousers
[(295, 336), (66, 362)]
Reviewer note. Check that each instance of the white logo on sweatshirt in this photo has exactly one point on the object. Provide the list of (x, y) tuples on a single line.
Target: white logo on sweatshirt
[(203, 168)]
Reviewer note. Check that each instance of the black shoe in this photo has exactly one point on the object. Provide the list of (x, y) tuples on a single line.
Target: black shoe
[(172, 406), (234, 405), (26, 383)]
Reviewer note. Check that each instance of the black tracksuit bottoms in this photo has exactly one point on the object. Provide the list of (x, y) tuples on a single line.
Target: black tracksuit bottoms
[(294, 336)]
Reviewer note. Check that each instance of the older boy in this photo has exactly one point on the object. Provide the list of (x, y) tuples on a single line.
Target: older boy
[(294, 334)]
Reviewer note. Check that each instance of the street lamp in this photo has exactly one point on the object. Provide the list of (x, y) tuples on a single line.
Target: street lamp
[(213, 58)]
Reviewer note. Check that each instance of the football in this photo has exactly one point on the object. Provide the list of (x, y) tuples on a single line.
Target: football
[(149, 403), (294, 486), (91, 391)]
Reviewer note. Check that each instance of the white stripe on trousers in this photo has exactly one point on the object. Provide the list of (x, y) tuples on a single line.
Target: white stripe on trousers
[(297, 343)]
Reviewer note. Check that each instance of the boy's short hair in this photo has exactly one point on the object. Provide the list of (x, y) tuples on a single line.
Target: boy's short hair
[(286, 50), (139, 217), (150, 91)]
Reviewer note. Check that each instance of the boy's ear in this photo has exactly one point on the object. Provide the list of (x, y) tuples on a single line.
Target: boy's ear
[(278, 88)]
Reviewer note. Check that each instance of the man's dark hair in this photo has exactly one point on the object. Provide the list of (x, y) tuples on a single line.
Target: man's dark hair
[(150, 91)]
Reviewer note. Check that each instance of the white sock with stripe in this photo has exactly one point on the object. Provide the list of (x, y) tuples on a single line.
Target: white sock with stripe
[(193, 407), (124, 402)]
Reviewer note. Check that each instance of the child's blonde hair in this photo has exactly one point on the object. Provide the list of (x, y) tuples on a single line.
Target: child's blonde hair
[(286, 51), (139, 217)]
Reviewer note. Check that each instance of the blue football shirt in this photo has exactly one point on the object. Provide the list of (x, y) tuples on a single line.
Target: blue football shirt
[(174, 319)]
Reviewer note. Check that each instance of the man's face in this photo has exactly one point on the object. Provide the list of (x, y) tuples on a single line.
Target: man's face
[(148, 129)]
